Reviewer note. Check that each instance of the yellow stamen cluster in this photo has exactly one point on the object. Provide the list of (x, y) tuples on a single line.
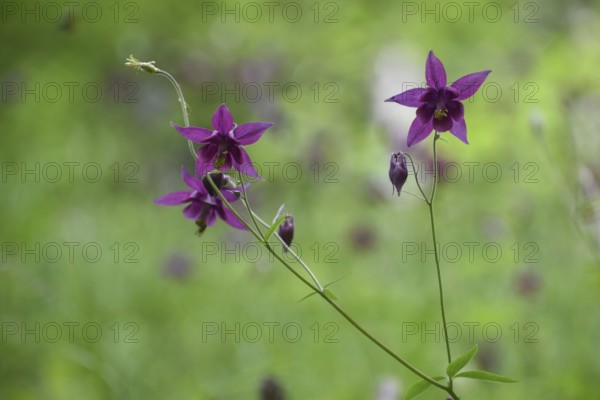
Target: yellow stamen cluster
[(439, 114)]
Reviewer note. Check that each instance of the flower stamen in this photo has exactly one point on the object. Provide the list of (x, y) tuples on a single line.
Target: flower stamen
[(440, 113)]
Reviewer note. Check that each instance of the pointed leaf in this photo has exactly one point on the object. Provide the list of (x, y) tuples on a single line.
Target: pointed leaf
[(416, 389), (336, 281), (279, 212), (274, 227), (307, 296), (485, 376), (419, 387), (330, 294), (455, 366)]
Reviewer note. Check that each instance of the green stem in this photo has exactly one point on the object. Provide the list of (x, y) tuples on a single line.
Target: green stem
[(186, 120), (321, 293), (451, 392), (341, 311), (247, 204), (230, 207), (292, 252), (383, 347), (351, 320), (436, 253), (415, 168)]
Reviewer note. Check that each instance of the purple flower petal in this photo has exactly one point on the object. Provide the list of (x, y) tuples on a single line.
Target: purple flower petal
[(206, 159), (469, 84), (418, 131), (230, 194), (203, 167), (222, 120), (192, 181), (410, 98), (425, 112), (459, 129), (435, 72), (208, 152), (211, 217), (450, 93), (193, 210), (194, 133), (249, 133), (245, 166), (456, 109), (230, 218), (236, 153), (430, 96), (173, 199), (228, 162), (443, 124)]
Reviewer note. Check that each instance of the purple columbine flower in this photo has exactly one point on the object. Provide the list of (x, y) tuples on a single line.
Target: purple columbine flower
[(204, 204), (222, 147), (439, 106)]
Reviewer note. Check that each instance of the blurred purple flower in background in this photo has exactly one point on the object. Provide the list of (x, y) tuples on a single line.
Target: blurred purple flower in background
[(177, 266), (439, 106), (271, 389)]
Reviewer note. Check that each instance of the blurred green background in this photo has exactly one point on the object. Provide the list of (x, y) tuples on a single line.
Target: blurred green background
[(104, 295)]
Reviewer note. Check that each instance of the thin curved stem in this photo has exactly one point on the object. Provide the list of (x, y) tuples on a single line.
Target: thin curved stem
[(247, 204), (381, 345), (415, 195), (230, 207), (186, 120), (451, 391), (351, 320), (435, 167), (292, 252), (416, 172), (436, 255), (321, 293)]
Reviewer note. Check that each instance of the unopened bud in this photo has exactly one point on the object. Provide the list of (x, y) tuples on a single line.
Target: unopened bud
[(286, 230), (218, 178), (398, 171)]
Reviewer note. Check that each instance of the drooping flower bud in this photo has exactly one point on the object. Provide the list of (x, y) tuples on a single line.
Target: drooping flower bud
[(218, 178), (286, 230), (398, 171)]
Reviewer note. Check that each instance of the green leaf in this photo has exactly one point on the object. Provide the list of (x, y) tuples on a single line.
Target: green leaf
[(307, 296), (460, 362), (485, 376), (274, 227), (336, 281), (420, 387), (416, 389), (329, 293)]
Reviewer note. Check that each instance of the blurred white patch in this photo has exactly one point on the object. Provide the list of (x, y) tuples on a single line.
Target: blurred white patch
[(395, 70), (588, 182), (585, 125), (537, 122), (389, 389), (584, 24)]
